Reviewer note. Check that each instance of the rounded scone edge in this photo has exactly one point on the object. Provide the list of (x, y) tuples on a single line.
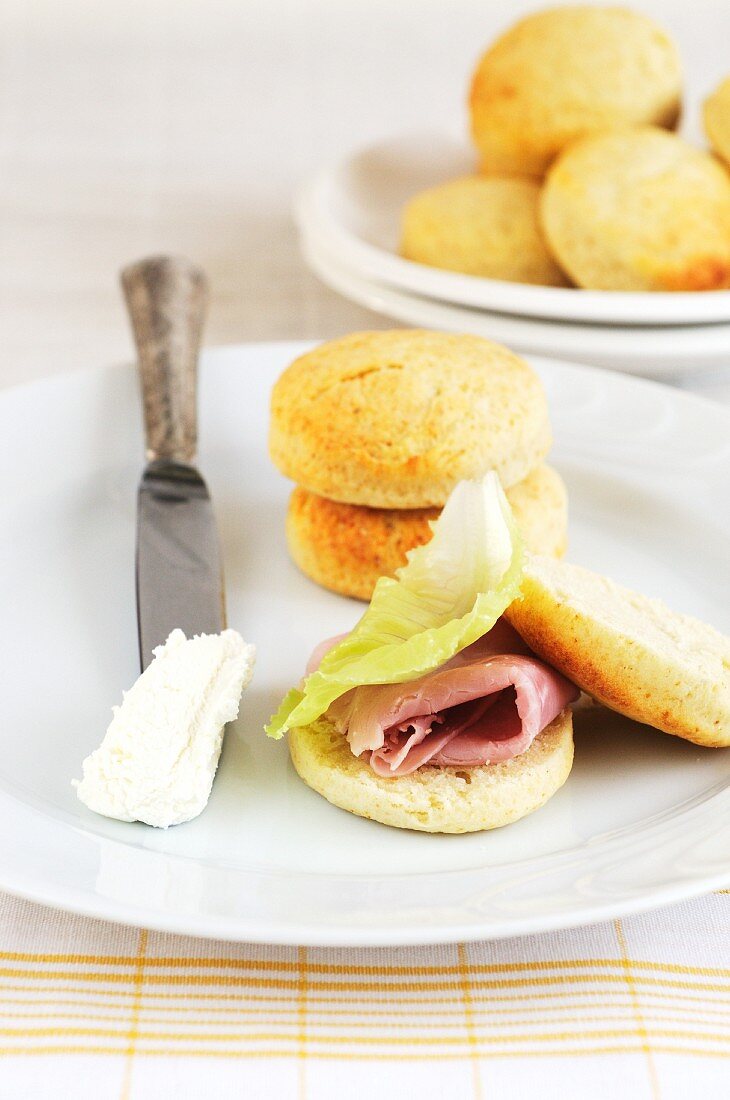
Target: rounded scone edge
[(486, 226), (716, 118)]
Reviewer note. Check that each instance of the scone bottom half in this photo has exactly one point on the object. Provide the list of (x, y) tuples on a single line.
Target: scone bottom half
[(347, 547), (435, 799)]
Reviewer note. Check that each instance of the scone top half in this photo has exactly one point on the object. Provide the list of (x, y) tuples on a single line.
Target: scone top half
[(630, 652), (396, 419)]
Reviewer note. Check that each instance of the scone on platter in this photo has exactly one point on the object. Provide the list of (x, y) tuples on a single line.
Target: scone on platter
[(639, 209), (567, 72), (486, 226), (448, 706)]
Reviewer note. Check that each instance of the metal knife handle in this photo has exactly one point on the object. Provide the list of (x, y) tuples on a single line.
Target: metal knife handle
[(166, 298)]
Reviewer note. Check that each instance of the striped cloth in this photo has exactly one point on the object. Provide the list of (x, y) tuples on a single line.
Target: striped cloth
[(634, 1008)]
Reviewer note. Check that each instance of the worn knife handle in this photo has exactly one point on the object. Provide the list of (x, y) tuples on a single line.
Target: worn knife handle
[(166, 297)]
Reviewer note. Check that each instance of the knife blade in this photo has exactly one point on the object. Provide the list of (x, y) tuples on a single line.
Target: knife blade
[(179, 576)]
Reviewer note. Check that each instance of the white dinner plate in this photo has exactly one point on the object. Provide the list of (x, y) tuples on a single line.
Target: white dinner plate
[(642, 350), (643, 819), (355, 207)]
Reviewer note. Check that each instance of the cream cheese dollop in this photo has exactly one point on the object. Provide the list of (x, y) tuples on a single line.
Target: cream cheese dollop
[(160, 753)]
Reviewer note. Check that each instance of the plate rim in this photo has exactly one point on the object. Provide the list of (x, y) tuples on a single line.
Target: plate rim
[(98, 905), (313, 209), (236, 930), (233, 930), (529, 334)]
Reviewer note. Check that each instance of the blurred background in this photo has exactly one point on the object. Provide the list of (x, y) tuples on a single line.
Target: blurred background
[(152, 125)]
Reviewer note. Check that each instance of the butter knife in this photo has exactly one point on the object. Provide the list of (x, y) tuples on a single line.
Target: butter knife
[(178, 563)]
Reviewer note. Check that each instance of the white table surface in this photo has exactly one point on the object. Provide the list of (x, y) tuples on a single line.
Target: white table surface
[(186, 125), (128, 128)]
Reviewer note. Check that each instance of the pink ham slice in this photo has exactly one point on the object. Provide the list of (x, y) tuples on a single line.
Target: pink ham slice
[(484, 706)]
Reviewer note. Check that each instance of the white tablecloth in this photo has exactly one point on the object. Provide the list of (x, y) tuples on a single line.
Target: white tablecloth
[(638, 1008)]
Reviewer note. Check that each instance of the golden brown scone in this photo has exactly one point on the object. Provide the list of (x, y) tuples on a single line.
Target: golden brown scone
[(346, 547), (628, 651), (431, 799), (566, 72), (716, 113), (395, 419), (480, 225), (639, 209)]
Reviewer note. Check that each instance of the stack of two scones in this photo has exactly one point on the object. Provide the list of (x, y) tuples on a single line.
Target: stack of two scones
[(377, 428)]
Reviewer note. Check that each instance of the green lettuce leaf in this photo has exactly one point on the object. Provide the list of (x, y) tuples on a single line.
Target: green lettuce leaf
[(451, 592)]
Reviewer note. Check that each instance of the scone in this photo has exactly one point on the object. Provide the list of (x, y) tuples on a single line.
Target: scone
[(716, 115), (630, 652), (480, 226), (639, 209), (346, 547), (435, 799), (566, 72), (395, 419)]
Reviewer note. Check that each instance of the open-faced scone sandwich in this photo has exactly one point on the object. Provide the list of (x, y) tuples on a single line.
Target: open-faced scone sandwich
[(448, 707), (432, 713)]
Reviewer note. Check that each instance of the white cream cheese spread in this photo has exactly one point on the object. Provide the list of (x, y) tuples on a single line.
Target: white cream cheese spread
[(159, 755)]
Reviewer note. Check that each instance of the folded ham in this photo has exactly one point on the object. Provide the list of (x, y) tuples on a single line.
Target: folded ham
[(484, 706)]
